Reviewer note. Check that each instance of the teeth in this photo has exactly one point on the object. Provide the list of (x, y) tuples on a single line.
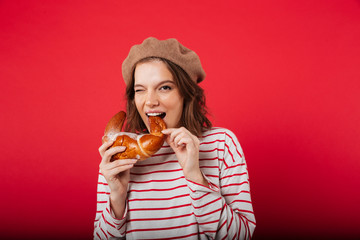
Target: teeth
[(154, 114)]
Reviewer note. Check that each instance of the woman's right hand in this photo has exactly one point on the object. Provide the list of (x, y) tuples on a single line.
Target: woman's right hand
[(116, 173)]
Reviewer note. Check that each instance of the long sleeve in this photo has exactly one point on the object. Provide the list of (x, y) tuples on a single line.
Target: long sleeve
[(106, 226), (224, 211)]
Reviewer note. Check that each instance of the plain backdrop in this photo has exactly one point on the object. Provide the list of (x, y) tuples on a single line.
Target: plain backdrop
[(284, 76)]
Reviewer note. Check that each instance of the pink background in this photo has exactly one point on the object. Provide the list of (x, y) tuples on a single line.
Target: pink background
[(283, 75)]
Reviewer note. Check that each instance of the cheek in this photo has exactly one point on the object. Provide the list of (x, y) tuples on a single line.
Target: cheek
[(178, 106), (137, 101)]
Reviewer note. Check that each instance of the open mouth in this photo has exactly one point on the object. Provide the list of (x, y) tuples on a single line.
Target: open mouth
[(162, 115)]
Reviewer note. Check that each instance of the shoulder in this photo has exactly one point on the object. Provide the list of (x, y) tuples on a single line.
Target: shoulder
[(224, 138), (219, 133), (226, 141)]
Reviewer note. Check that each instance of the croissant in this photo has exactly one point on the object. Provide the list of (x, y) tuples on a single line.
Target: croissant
[(137, 146)]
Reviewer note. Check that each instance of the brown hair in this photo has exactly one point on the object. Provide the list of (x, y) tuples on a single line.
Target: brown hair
[(194, 112)]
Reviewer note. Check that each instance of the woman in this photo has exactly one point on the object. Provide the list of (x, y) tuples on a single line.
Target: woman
[(196, 186)]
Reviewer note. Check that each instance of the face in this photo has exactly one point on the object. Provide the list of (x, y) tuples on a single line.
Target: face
[(157, 94)]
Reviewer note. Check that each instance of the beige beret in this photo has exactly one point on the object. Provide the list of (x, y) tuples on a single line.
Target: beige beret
[(169, 49)]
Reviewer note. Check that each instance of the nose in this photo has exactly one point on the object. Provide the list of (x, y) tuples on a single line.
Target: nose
[(152, 99)]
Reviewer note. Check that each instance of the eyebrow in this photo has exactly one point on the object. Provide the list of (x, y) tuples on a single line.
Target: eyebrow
[(160, 83)]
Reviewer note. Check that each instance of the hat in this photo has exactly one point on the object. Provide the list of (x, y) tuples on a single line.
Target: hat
[(169, 49)]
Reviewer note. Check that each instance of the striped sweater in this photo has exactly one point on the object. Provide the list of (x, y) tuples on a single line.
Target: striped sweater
[(163, 204)]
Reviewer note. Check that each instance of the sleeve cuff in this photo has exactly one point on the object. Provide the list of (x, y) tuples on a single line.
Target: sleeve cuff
[(197, 187), (111, 216)]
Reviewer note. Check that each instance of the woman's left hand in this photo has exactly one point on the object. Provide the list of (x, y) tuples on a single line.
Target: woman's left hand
[(186, 148)]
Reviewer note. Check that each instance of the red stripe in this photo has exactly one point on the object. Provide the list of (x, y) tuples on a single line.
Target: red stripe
[(236, 147), (158, 180), (243, 201), (101, 183), (162, 171), (205, 223), (205, 214), (198, 185), (158, 199), (158, 189), (98, 235), (210, 167), (160, 219), (212, 176), (233, 175), (181, 237), (248, 220), (232, 156), (243, 210), (223, 160), (225, 237), (248, 228), (239, 231), (156, 209), (212, 142), (209, 231), (163, 154), (234, 237), (103, 193), (200, 197), (242, 220), (170, 228), (103, 232), (204, 159), (102, 215), (155, 164), (161, 229), (124, 230), (110, 234), (208, 203), (101, 202), (211, 134), (112, 215), (237, 165), (234, 184), (232, 217), (212, 150), (235, 194)]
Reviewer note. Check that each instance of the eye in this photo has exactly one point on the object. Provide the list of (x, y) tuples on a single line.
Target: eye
[(137, 90), (165, 87)]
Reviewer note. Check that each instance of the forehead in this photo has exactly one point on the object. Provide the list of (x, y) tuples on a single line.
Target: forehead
[(152, 71)]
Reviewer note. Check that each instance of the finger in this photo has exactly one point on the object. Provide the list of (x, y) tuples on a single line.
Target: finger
[(112, 151), (105, 146), (116, 170), (184, 141), (173, 133), (112, 168), (119, 163), (193, 138), (179, 139)]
